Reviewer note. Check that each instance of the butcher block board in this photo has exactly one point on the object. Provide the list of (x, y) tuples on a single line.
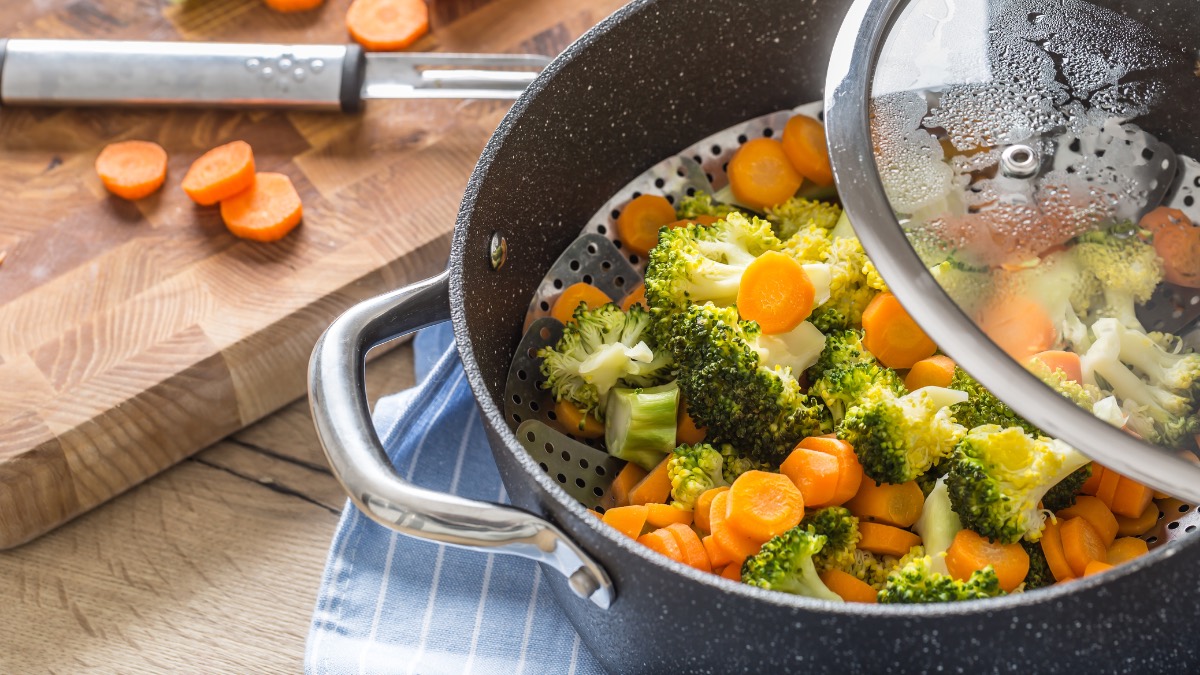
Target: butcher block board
[(133, 334)]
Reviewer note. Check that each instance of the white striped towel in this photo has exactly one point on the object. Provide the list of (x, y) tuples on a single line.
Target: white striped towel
[(391, 604)]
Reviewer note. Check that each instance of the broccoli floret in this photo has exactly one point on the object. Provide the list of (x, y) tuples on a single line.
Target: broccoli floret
[(1085, 396), (1063, 494), (737, 464), (842, 388), (898, 438), (870, 568), (969, 287), (843, 349), (600, 349), (982, 407), (785, 563), (640, 426), (938, 526), (928, 480), (1039, 575), (854, 282), (1125, 269), (1169, 368), (742, 398), (1156, 412), (998, 477), (694, 469), (840, 529), (798, 214), (811, 243), (702, 204), (916, 582)]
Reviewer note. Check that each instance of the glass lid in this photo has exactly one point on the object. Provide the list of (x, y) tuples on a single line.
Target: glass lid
[(1022, 173)]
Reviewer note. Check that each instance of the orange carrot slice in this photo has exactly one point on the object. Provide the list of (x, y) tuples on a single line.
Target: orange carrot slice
[(1092, 485), (885, 539), (267, 211), (762, 505), (1125, 549), (686, 431), (732, 572), (220, 173), (1096, 567), (1136, 527), (1178, 245), (970, 552), (571, 297), (898, 505), (734, 546), (1108, 486), (1018, 325), (289, 6), (132, 169), (629, 476), (628, 520), (1081, 544), (776, 292), (635, 297), (662, 515), (1068, 362), (850, 472), (717, 556), (1130, 498), (577, 424), (891, 334), (704, 507), (690, 545), (935, 371), (662, 541), (1163, 216), (1052, 548), (640, 221), (654, 488), (804, 143), (387, 25), (814, 473), (849, 587), (1096, 513), (761, 175)]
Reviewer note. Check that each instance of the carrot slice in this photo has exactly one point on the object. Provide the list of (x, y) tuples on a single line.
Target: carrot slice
[(662, 515), (885, 539), (629, 476), (814, 473), (686, 431), (266, 211), (1163, 216), (1096, 513), (288, 6), (898, 505), (970, 552), (1092, 485), (640, 221), (1018, 325), (663, 542), (735, 547), (804, 142), (694, 554), (704, 507), (1108, 487), (776, 292), (1135, 527), (717, 556), (1052, 548), (1178, 244), (849, 587), (732, 572), (628, 520), (891, 334), (1130, 498), (1096, 567), (387, 25), (762, 505), (761, 174), (596, 513), (635, 297), (1125, 549), (220, 173), (935, 371), (1068, 362), (1081, 544), (850, 472), (132, 169), (577, 424), (654, 488), (570, 298)]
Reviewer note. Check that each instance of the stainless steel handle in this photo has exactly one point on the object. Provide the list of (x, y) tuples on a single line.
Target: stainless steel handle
[(343, 420), (99, 72)]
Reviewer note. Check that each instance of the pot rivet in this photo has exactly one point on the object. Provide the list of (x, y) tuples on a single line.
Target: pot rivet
[(583, 583), (1019, 161), (499, 250)]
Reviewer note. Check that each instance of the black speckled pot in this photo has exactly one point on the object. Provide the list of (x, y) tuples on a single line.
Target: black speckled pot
[(626, 95)]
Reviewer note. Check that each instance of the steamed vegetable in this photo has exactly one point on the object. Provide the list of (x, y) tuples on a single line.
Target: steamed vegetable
[(640, 423)]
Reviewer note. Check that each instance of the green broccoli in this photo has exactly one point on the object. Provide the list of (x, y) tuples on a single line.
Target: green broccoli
[(785, 563), (1039, 575), (998, 478), (854, 282), (798, 214), (736, 464), (809, 244), (640, 425), (840, 529), (1063, 494), (1083, 395), (842, 388), (938, 526), (982, 407), (870, 568), (694, 469), (743, 399), (600, 349), (1125, 269), (928, 480), (898, 438), (702, 204), (843, 349), (916, 582)]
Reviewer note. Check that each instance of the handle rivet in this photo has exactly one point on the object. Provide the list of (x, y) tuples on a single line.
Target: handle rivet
[(583, 583), (1019, 161), (499, 250)]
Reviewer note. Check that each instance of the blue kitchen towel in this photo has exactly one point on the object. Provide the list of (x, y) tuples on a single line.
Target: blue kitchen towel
[(391, 604)]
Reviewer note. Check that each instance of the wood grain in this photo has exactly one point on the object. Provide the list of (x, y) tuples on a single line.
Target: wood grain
[(135, 334)]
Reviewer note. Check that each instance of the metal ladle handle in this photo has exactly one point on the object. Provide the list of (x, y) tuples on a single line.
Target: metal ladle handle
[(337, 394)]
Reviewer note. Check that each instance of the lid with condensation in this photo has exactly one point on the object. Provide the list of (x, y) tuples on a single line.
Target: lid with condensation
[(1022, 173)]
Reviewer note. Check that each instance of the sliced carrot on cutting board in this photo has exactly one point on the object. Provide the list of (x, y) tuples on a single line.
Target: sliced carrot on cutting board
[(132, 169), (267, 211), (387, 25), (220, 173)]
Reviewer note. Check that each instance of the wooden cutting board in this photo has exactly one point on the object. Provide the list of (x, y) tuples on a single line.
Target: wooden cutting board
[(133, 334)]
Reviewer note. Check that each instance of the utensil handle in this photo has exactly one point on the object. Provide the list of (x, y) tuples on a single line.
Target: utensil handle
[(339, 408), (100, 72)]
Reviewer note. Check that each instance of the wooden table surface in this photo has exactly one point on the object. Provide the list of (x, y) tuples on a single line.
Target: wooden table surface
[(213, 566)]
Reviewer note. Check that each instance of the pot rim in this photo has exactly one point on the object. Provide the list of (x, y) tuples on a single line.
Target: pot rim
[(494, 417)]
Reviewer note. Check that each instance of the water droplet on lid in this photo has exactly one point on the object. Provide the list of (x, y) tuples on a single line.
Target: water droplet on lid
[(266, 73), (253, 64), (316, 66), (299, 74)]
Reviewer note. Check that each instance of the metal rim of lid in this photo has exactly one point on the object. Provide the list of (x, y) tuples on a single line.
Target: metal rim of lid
[(847, 128)]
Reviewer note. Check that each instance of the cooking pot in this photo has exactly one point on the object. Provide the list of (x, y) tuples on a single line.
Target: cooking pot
[(647, 81)]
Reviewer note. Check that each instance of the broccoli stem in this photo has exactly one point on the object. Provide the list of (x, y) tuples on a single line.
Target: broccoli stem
[(639, 424)]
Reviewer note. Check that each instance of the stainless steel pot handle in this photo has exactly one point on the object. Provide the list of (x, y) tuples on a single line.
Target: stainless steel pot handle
[(339, 409)]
